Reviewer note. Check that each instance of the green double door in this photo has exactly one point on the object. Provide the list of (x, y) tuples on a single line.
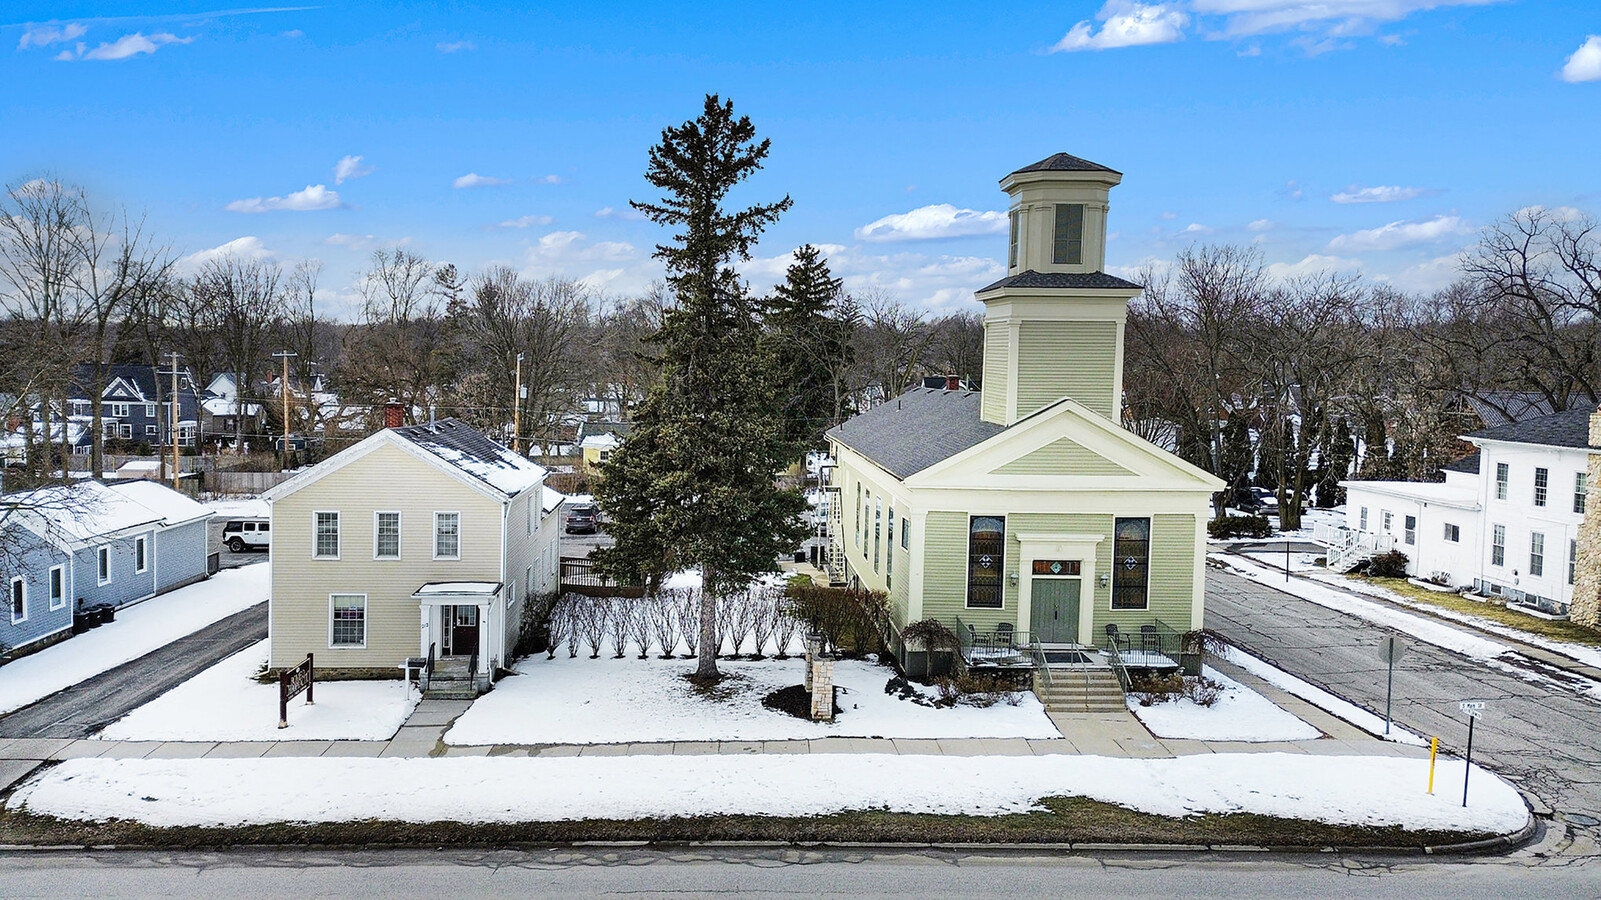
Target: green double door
[(1053, 610)]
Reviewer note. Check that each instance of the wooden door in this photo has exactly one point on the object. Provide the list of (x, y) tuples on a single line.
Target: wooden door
[(1053, 610), (463, 630)]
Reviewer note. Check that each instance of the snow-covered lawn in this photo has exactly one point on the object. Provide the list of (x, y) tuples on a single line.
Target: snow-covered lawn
[(606, 701), (1348, 790), (224, 703), (1329, 703), (1240, 714), (239, 507), (138, 630)]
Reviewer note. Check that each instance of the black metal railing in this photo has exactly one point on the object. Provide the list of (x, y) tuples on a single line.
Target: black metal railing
[(1151, 645)]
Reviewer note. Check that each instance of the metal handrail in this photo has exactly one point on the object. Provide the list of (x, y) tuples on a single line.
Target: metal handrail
[(1118, 668), (1040, 665)]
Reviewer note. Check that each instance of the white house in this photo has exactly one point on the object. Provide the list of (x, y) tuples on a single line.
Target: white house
[(1504, 522)]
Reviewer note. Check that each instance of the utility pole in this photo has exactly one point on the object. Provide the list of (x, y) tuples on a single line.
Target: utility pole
[(283, 385), (517, 409), (173, 424)]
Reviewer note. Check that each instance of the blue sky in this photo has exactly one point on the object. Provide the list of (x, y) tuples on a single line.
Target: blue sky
[(1377, 135)]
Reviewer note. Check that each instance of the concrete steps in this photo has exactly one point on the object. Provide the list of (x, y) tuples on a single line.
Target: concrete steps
[(1080, 691), (452, 680)]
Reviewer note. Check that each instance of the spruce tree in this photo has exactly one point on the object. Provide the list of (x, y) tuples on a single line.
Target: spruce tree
[(693, 485), (806, 342)]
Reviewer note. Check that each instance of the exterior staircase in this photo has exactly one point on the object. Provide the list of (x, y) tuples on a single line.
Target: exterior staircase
[(1348, 549), (452, 679), (1080, 690)]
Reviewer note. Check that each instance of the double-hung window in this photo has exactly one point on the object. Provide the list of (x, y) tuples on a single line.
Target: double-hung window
[(1501, 475), (889, 550), (1410, 535), (1542, 478), (19, 600), (878, 531), (1536, 553), (1389, 521), (1498, 545), (140, 557), (103, 565), (1581, 488), (386, 535), (347, 625), (1068, 239), (986, 558), (1362, 519), (325, 538), (1012, 244), (1131, 563), (58, 586), (447, 535), (1453, 533)]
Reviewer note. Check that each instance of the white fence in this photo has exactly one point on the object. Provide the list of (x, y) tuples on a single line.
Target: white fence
[(1347, 546)]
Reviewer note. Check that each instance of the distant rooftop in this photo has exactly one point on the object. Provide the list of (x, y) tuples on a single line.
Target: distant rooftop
[(1065, 162), (1564, 429), (1081, 280)]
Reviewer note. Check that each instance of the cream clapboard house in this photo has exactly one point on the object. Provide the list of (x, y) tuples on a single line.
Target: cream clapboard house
[(1024, 513), (419, 536)]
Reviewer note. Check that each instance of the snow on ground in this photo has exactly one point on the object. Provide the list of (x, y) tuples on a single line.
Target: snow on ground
[(138, 630), (1358, 790), (225, 703), (607, 701), (1240, 714), (1426, 629), (1329, 703), (1590, 656), (236, 508)]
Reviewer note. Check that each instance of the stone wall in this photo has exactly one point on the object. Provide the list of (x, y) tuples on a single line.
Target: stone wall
[(1586, 606)]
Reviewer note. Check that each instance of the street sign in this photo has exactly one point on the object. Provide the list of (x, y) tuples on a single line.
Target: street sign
[(1472, 707), (1391, 648)]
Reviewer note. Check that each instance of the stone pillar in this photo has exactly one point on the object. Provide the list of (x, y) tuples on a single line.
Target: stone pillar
[(820, 681), (1586, 607)]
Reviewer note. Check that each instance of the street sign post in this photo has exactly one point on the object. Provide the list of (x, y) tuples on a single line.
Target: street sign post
[(1474, 708), (1390, 649)]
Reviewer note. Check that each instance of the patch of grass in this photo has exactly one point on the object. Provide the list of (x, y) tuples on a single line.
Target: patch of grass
[(726, 686), (1494, 610), (1064, 820)]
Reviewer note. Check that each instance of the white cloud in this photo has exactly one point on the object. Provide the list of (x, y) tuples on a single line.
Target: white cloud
[(455, 46), (1585, 63), (1127, 24), (549, 179), (1400, 234), (525, 221), (314, 197), (1292, 190), (1379, 194), (45, 35), (1168, 216), (1259, 225), (362, 241), (350, 167), (1196, 228), (626, 214), (613, 266), (941, 220), (245, 248), (1333, 18), (1429, 275), (125, 47), (473, 179), (293, 33), (1313, 264), (937, 283)]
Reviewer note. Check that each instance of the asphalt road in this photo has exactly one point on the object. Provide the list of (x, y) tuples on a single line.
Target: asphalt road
[(229, 559), (593, 872), (89, 706), (1543, 736)]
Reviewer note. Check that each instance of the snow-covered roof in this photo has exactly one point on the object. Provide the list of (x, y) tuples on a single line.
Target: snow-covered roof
[(604, 441), (457, 588), (173, 507), (81, 512), (466, 448), (552, 498), (1446, 493)]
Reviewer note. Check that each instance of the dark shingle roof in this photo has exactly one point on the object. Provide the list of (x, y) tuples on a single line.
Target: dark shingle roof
[(1033, 279), (1496, 408), (466, 448), (1066, 162), (1563, 429), (917, 429), (1468, 464)]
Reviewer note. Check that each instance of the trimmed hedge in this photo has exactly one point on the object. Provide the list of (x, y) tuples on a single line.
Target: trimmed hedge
[(1240, 526)]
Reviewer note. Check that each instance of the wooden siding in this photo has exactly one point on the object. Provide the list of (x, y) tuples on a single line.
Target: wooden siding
[(1066, 359), (997, 357), (388, 478), (1062, 457), (900, 593), (945, 574)]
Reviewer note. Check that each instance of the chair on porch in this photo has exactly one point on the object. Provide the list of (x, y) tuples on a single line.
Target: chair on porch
[(1003, 636), (1150, 641), (1116, 639)]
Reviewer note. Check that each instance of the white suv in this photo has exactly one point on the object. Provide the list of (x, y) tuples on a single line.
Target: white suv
[(246, 534)]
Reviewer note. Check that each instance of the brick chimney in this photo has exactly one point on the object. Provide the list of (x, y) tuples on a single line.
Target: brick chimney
[(393, 413), (953, 383), (1586, 606)]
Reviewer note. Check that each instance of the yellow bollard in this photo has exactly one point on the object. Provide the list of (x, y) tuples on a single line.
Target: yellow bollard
[(1434, 746)]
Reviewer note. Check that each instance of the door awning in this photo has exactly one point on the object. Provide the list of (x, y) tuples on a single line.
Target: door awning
[(457, 593)]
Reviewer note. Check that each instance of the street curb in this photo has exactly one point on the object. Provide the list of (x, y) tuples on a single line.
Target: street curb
[(1506, 841)]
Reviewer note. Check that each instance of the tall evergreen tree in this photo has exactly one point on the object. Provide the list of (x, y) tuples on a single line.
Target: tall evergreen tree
[(807, 342), (694, 482)]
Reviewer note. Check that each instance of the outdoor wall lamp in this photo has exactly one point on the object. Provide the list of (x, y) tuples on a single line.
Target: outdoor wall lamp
[(1105, 579), (1012, 578)]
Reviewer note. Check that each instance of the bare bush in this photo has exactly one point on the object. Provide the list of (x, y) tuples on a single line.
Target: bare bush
[(619, 615), (593, 619), (764, 612), (688, 601), (785, 624), (556, 625), (663, 612), (640, 624)]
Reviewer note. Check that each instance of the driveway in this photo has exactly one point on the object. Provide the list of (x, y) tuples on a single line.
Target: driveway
[(228, 558), (91, 705), (1544, 737)]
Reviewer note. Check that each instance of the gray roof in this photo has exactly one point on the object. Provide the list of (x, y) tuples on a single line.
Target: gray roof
[(1563, 429), (1066, 162), (1468, 464), (919, 428), (466, 448), (1033, 279), (1502, 407)]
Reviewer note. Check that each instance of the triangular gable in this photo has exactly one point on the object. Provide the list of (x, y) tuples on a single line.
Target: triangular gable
[(121, 387), (1062, 456), (1066, 446), (383, 438)]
